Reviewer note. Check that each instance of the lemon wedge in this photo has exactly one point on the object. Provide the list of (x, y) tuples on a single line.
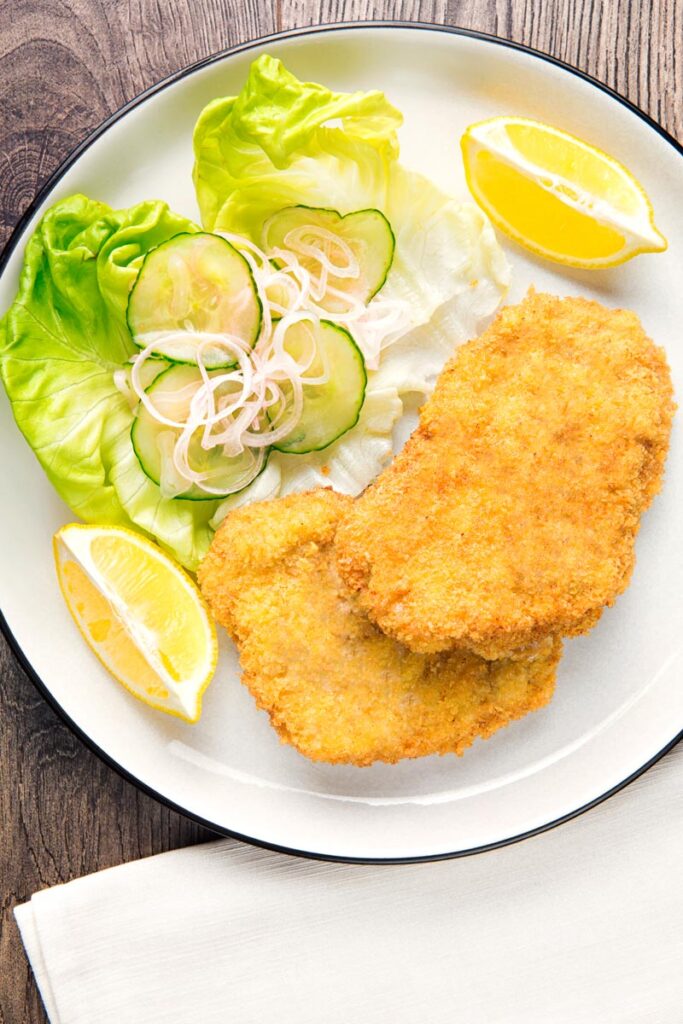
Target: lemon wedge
[(140, 613), (556, 195)]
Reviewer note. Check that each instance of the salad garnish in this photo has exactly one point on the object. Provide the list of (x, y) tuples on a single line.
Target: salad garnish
[(245, 396)]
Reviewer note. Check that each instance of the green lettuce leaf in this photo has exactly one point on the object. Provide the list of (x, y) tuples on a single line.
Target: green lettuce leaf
[(282, 141), (61, 342)]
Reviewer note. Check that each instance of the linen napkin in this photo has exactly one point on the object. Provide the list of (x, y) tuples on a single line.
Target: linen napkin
[(580, 924)]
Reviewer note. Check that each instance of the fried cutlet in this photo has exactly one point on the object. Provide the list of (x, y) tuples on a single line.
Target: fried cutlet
[(335, 687), (512, 511)]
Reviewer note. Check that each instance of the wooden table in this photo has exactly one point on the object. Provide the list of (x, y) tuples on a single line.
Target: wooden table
[(65, 66)]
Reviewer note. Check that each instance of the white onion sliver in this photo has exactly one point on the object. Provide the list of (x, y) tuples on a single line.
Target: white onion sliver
[(295, 241), (122, 384)]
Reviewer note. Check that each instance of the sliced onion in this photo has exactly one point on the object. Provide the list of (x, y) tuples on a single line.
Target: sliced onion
[(295, 241)]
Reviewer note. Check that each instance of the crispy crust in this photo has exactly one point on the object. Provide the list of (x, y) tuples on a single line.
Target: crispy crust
[(334, 686), (511, 513)]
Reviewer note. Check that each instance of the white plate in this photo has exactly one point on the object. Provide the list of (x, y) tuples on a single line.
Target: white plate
[(619, 700)]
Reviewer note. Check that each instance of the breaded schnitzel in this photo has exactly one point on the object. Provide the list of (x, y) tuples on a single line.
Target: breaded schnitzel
[(334, 686), (512, 511)]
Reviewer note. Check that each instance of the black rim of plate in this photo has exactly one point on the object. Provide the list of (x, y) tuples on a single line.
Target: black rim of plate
[(14, 241)]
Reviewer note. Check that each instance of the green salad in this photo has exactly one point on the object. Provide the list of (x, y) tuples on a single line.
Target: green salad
[(164, 369)]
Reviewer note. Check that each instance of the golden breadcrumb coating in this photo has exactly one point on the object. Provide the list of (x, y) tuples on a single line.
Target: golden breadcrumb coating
[(334, 686), (512, 511)]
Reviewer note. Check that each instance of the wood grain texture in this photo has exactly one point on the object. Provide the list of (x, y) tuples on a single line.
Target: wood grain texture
[(64, 66)]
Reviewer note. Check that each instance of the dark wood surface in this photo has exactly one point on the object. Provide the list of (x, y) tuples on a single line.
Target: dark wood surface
[(64, 66)]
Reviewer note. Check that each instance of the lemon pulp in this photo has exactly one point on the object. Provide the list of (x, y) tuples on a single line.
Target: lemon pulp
[(556, 195)]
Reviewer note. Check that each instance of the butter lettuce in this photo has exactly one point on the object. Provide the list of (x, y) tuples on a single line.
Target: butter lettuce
[(60, 344), (283, 142)]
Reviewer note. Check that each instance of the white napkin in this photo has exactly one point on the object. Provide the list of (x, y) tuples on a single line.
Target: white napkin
[(580, 925)]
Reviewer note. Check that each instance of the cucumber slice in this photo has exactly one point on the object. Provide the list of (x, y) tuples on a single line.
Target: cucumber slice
[(153, 441), (367, 232), (332, 408), (192, 283)]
